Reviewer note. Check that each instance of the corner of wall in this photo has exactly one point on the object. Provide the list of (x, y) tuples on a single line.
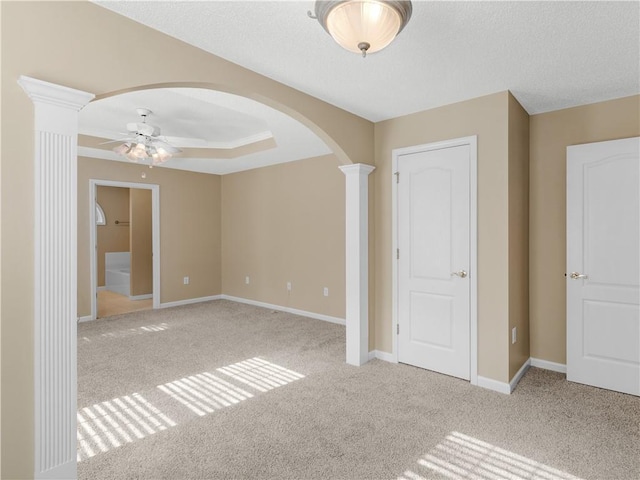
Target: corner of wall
[(518, 164)]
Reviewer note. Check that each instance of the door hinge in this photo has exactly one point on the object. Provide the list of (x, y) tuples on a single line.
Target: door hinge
[(398, 329), (397, 254), (397, 174)]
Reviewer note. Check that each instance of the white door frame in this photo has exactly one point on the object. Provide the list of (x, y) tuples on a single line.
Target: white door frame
[(472, 142), (93, 236)]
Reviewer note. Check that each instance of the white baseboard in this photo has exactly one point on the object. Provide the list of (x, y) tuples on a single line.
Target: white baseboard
[(141, 297), (516, 378), (102, 288), (295, 311), (509, 387), (189, 301), (547, 365), (380, 355), (494, 385), (86, 318)]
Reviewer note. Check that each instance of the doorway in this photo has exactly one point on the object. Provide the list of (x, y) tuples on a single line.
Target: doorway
[(435, 256), (125, 250), (603, 265)]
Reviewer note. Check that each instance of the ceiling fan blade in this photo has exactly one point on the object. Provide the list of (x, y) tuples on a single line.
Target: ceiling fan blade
[(167, 147), (125, 139)]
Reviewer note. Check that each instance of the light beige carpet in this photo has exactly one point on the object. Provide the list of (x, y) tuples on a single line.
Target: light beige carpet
[(221, 390)]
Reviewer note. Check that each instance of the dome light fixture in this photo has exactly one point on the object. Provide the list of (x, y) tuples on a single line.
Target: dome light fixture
[(363, 26)]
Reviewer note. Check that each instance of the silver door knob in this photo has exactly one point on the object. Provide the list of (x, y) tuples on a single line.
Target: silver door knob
[(460, 274), (576, 275)]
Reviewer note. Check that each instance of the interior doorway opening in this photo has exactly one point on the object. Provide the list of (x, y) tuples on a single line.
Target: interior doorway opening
[(125, 248)]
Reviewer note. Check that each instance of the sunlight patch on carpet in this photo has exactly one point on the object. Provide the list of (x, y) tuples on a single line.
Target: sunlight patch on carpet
[(204, 393), (260, 374), (113, 423), (129, 332), (460, 457)]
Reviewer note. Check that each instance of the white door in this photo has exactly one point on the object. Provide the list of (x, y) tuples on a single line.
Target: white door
[(603, 274), (433, 213)]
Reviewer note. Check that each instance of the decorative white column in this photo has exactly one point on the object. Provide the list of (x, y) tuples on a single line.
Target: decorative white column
[(357, 261), (55, 276)]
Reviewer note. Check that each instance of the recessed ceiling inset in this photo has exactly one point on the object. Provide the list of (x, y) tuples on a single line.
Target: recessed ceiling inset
[(218, 132)]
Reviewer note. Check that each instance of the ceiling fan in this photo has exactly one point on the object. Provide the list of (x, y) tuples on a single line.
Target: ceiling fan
[(143, 142)]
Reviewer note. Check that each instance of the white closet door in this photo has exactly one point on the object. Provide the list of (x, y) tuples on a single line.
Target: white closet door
[(603, 265)]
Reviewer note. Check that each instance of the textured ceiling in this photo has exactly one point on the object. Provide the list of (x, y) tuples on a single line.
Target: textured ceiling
[(551, 55)]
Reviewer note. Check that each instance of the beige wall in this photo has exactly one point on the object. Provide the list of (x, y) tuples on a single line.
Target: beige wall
[(190, 239), (67, 43), (111, 237), (518, 235), (141, 241), (285, 223), (486, 117), (550, 135)]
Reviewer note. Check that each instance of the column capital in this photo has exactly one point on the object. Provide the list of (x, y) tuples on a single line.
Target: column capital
[(40, 91), (359, 168)]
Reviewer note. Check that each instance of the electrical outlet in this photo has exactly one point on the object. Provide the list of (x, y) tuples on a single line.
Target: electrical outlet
[(514, 334), (246, 280), (325, 291), (288, 286), (185, 280)]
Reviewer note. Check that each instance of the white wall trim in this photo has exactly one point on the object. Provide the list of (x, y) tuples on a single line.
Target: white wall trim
[(93, 237), (502, 387), (472, 141), (55, 275), (86, 318), (141, 297), (295, 311), (496, 386), (519, 374), (547, 365), (357, 261), (380, 355), (189, 301), (101, 289)]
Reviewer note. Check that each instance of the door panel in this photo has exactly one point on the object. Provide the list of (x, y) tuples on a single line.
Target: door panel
[(430, 248), (435, 312), (611, 332), (611, 221), (603, 244), (433, 239)]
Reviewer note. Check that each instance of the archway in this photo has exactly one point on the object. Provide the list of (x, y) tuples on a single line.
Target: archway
[(55, 340)]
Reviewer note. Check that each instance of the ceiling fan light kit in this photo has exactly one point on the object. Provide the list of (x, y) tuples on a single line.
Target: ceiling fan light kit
[(146, 144), (363, 26)]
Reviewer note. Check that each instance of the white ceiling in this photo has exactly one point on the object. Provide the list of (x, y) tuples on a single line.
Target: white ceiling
[(204, 119), (551, 55)]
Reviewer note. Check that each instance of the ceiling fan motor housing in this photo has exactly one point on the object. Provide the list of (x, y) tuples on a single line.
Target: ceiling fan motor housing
[(143, 129)]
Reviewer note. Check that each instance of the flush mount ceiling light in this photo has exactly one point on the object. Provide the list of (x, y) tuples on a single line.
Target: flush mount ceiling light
[(363, 26), (144, 142)]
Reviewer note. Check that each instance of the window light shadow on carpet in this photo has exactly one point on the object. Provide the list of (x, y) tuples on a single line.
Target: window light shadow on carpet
[(114, 423), (130, 332), (460, 456)]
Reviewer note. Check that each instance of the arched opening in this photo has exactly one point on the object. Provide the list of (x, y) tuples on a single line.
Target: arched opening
[(55, 345), (338, 151)]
